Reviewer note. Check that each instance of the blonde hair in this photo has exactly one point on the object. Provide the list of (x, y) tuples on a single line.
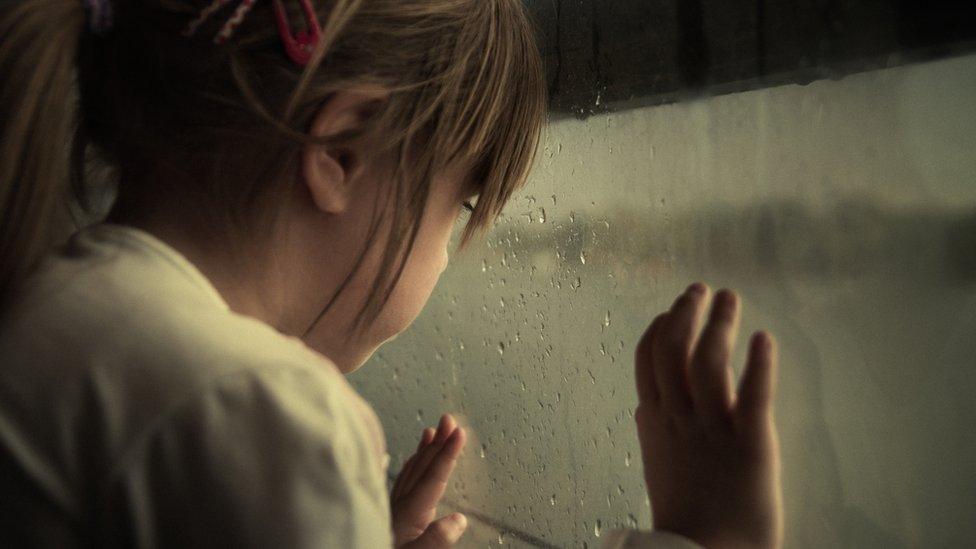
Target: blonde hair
[(221, 127)]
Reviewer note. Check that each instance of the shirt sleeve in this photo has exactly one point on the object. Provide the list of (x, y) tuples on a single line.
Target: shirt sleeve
[(274, 458), (655, 539)]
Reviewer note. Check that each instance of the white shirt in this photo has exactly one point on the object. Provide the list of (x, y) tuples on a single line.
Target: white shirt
[(137, 409)]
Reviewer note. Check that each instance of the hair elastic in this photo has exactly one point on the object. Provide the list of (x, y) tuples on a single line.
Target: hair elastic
[(99, 15), (298, 47)]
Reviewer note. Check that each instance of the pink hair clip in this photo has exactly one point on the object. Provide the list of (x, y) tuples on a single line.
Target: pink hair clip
[(298, 47)]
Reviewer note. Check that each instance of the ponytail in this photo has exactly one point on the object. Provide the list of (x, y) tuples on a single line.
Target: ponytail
[(38, 116)]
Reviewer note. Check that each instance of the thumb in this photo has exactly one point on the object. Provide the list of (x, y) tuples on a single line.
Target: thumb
[(443, 532)]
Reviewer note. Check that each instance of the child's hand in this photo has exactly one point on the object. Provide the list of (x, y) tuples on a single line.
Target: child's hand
[(711, 457), (421, 484)]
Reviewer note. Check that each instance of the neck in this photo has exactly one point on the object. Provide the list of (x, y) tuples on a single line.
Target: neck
[(248, 288), (286, 288)]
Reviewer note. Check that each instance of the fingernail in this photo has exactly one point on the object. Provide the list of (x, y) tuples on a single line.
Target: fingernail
[(696, 288)]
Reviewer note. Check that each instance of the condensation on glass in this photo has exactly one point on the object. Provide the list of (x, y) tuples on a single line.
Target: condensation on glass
[(844, 212)]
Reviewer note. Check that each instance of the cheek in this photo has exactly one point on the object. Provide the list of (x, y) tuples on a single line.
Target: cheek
[(428, 260), (420, 276)]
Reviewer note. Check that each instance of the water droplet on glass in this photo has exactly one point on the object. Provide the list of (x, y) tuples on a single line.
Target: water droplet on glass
[(597, 528), (482, 450), (501, 347), (552, 500), (606, 320), (583, 257)]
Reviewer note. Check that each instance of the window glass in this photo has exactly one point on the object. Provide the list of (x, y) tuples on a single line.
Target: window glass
[(844, 213)]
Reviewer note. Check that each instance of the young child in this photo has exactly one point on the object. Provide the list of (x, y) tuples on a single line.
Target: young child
[(288, 176)]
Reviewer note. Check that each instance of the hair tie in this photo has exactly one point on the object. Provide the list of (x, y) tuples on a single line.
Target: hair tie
[(99, 15)]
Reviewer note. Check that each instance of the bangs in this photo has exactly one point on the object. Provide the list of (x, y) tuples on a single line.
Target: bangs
[(498, 124)]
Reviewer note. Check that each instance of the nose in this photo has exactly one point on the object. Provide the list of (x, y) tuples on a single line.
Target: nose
[(445, 259)]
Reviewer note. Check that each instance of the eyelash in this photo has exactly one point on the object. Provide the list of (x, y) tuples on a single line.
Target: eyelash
[(468, 206)]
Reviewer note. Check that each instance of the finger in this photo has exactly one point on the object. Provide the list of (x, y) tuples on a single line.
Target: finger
[(432, 483), (409, 473), (708, 374), (672, 348), (442, 464), (426, 437), (642, 419), (406, 472), (647, 391), (447, 425), (758, 383), (442, 533), (401, 480), (445, 428)]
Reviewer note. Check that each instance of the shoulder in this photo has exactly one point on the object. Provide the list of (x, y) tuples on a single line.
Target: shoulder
[(114, 341), (119, 306), (278, 413), (262, 457), (145, 335)]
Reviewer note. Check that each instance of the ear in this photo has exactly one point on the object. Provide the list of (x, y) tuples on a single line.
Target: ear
[(330, 172)]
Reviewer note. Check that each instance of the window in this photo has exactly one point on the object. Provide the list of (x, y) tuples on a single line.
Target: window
[(843, 211)]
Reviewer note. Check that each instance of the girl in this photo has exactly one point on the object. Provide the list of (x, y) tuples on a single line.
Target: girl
[(288, 175)]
